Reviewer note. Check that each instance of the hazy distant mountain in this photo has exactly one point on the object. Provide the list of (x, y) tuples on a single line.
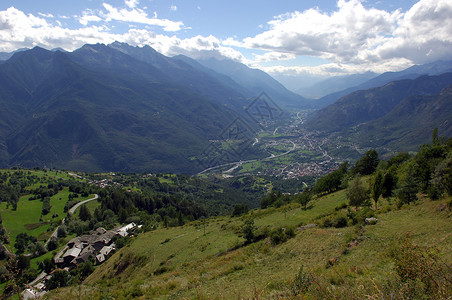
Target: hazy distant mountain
[(410, 123), (99, 109), (256, 81), (7, 55), (402, 112), (435, 68), (334, 84), (366, 105)]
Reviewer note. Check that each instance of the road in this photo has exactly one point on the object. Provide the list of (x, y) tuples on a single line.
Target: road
[(70, 212), (248, 161), (55, 234), (73, 208)]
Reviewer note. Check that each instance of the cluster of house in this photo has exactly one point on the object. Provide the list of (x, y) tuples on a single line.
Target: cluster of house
[(103, 183), (98, 245)]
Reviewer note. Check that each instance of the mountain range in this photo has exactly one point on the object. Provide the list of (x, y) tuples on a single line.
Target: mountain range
[(118, 107), (399, 115), (122, 108), (434, 68)]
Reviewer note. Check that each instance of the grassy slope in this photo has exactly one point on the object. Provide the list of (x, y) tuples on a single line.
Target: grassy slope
[(28, 212), (182, 262)]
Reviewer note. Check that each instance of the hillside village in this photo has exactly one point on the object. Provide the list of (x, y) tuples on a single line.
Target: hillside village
[(97, 246)]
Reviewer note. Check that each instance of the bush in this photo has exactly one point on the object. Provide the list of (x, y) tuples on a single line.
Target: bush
[(301, 282), (340, 222), (361, 215), (327, 222), (421, 271), (280, 235), (248, 230)]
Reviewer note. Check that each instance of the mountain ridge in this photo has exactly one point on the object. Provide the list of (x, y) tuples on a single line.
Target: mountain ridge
[(77, 112)]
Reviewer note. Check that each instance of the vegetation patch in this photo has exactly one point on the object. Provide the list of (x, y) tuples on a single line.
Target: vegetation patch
[(35, 225)]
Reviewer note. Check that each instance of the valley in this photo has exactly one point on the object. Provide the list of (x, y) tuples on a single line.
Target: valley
[(289, 151), (295, 150)]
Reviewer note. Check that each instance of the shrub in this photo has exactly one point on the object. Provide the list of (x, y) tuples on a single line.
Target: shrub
[(340, 221), (327, 222), (301, 282), (421, 271), (248, 231), (280, 235)]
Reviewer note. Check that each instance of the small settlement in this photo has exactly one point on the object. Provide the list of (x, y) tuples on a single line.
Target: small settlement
[(99, 246)]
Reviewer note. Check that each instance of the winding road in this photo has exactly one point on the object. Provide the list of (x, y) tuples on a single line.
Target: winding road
[(69, 213), (73, 208), (248, 161)]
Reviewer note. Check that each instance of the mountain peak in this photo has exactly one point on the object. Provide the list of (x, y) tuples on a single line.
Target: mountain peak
[(447, 90)]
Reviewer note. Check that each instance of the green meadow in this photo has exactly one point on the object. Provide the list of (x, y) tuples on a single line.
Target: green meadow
[(209, 259)]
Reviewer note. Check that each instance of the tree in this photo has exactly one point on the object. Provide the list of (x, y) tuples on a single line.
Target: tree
[(84, 213), (61, 231), (304, 198), (46, 205), (52, 244), (435, 137), (23, 262), (389, 183), (85, 269), (331, 182), (180, 218), (442, 177), (356, 193), (47, 265), (407, 190), (248, 230), (377, 187), (367, 164), (239, 209), (59, 278), (22, 241), (122, 215)]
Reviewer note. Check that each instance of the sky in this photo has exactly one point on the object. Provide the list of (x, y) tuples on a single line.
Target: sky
[(285, 38)]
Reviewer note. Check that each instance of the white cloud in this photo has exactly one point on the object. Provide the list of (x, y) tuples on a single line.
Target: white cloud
[(340, 36), (137, 15), (352, 38), (18, 30), (272, 56), (367, 39), (46, 15), (88, 16), (337, 69), (132, 3)]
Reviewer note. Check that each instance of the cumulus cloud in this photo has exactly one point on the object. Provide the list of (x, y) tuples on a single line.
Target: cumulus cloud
[(46, 15), (354, 37), (341, 36), (137, 15), (338, 69), (272, 56), (18, 30), (88, 16), (132, 3)]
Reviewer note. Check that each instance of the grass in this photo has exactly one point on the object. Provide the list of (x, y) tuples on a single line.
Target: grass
[(27, 216), (91, 205), (182, 262)]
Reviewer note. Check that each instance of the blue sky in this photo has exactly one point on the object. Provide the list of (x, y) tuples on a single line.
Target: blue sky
[(286, 38)]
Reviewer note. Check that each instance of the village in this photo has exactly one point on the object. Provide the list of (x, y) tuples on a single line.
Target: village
[(97, 246)]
